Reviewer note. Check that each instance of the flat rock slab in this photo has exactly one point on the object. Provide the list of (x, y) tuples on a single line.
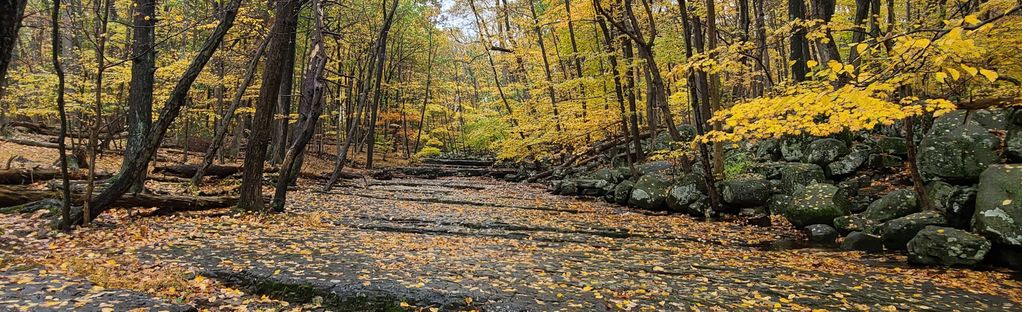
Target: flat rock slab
[(510, 247), (34, 290)]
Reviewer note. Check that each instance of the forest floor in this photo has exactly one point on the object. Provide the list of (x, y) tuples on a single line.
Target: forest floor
[(459, 244)]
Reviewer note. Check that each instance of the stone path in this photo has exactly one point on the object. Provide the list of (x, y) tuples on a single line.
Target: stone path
[(36, 290), (477, 244)]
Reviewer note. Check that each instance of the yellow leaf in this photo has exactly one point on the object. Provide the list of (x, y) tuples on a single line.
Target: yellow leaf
[(971, 20), (940, 76), (835, 66), (861, 47), (972, 71), (811, 63), (404, 304), (1006, 202), (954, 73), (991, 75)]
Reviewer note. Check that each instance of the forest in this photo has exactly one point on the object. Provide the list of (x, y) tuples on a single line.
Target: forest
[(510, 155)]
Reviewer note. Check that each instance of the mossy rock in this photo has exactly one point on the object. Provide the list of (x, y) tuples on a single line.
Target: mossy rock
[(818, 203), (998, 213), (896, 204)]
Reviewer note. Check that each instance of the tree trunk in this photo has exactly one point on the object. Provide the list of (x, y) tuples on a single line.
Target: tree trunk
[(377, 93), (273, 73), (225, 122), (10, 21), (799, 46), (546, 65), (309, 109), (140, 89), (55, 51)]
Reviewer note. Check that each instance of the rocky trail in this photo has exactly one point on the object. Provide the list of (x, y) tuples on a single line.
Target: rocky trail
[(470, 244)]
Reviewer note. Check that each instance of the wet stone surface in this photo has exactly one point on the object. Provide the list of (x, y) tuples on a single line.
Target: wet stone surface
[(478, 244), (36, 290)]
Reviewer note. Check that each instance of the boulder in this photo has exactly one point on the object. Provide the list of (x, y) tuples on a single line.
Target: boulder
[(683, 194), (947, 246), (748, 190), (897, 232), (653, 167), (816, 204), (982, 118), (823, 151), (862, 241), (960, 155), (884, 161), (998, 213), (650, 192), (892, 145), (851, 223), (623, 191), (769, 170), (793, 149), (592, 187), (957, 202), (612, 176), (821, 233), (896, 204), (757, 216), (777, 202), (848, 164), (768, 150), (795, 176), (1013, 145)]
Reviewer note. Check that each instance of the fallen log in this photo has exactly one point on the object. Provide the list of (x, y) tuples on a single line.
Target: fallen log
[(29, 176), (187, 171), (458, 162), (30, 142), (593, 154), (445, 171), (20, 195)]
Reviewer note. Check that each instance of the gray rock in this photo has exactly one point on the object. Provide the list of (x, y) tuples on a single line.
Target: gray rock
[(623, 191), (862, 241), (821, 233), (947, 246), (769, 150), (998, 213), (816, 204), (612, 176), (748, 190), (653, 167), (795, 176), (892, 145), (824, 151), (896, 204), (769, 170), (957, 202), (757, 216), (778, 202), (683, 194), (960, 155), (848, 164), (896, 233), (793, 149), (650, 192), (982, 118), (1013, 145), (851, 223), (884, 161)]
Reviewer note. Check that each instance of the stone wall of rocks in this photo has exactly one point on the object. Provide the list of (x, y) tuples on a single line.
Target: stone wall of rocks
[(857, 186)]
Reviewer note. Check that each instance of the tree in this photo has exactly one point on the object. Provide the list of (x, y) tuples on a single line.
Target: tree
[(10, 21), (140, 90), (285, 23), (65, 192)]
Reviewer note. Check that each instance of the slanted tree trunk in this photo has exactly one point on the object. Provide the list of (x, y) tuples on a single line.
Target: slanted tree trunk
[(698, 85), (608, 48), (826, 47), (225, 122), (102, 11), (377, 89), (309, 109), (425, 99), (273, 74), (140, 89), (130, 171)]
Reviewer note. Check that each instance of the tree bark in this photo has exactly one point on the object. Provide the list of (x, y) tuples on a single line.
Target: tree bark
[(65, 194), (273, 71), (310, 108), (140, 89), (11, 12)]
